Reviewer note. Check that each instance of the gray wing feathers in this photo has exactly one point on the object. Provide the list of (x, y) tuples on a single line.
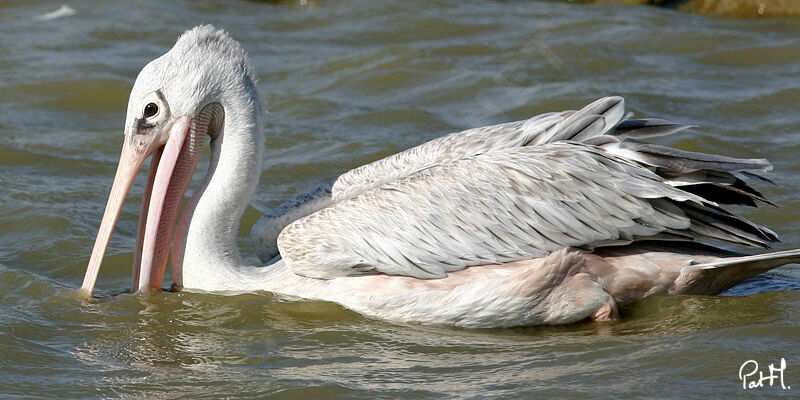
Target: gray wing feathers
[(499, 207), (680, 161), (456, 201), (714, 177)]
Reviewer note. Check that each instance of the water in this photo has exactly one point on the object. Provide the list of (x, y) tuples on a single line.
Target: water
[(347, 82)]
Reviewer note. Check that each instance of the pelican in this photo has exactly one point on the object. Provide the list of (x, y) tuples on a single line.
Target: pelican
[(551, 220)]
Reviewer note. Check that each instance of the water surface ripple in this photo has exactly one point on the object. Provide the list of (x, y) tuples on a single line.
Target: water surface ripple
[(347, 82)]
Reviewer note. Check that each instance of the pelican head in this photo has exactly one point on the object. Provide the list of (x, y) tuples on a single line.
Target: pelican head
[(177, 101)]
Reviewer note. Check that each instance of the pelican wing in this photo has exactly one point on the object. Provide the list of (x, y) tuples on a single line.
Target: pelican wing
[(502, 206), (602, 123)]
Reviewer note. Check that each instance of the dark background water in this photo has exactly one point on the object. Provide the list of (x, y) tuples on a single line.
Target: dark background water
[(347, 82)]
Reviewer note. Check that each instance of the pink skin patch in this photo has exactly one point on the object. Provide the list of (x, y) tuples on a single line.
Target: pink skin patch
[(172, 178), (148, 191)]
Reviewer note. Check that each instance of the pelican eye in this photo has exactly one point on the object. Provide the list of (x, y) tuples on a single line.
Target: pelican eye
[(150, 109)]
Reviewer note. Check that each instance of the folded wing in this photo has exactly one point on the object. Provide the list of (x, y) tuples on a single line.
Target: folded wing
[(502, 206)]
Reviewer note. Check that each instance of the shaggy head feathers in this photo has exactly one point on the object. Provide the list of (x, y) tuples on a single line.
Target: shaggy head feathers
[(204, 65), (205, 42)]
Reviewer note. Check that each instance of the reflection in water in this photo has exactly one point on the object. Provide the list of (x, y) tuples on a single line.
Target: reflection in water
[(229, 339)]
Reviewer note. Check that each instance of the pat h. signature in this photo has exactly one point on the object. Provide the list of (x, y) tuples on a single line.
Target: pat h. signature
[(752, 377)]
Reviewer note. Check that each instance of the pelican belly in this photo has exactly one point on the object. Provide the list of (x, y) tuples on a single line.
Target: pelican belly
[(551, 290)]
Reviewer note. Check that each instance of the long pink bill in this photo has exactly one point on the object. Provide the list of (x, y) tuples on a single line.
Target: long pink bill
[(159, 205)]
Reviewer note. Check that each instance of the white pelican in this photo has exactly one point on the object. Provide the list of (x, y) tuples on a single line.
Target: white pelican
[(551, 220)]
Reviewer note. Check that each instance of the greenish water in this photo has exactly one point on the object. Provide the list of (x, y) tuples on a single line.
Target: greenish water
[(347, 82)]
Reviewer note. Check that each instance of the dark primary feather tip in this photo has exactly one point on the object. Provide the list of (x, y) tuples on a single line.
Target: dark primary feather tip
[(688, 161), (647, 128), (726, 194)]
